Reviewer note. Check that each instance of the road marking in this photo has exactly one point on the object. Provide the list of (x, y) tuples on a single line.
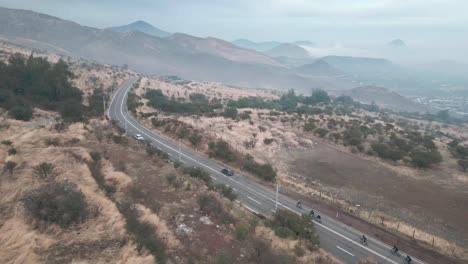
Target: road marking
[(345, 251), (357, 244), (250, 209), (158, 148), (250, 198), (170, 154), (212, 177), (245, 186)]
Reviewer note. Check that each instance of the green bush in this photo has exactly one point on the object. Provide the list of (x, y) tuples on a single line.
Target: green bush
[(44, 170), (7, 142), (424, 158), (241, 232), (230, 112), (321, 132), (289, 225), (263, 171), (21, 112), (268, 141), (384, 151), (59, 203), (71, 110), (12, 151), (198, 173), (195, 139), (220, 149), (226, 191)]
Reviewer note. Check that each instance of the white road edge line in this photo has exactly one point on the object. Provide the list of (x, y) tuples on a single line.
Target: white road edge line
[(250, 198), (331, 230), (345, 251), (357, 244), (250, 209)]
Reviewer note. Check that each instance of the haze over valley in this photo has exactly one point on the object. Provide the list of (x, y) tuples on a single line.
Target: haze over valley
[(268, 132)]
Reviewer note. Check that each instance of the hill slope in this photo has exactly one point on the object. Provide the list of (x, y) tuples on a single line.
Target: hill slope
[(318, 68), (141, 26), (258, 46), (384, 97), (153, 55), (288, 50), (220, 48)]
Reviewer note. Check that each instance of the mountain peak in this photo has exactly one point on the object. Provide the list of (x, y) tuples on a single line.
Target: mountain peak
[(141, 26), (142, 23), (397, 43)]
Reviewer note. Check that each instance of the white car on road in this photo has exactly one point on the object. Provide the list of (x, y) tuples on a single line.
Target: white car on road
[(139, 137)]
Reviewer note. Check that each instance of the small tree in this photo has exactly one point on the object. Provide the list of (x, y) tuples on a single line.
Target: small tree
[(230, 112), (12, 151), (9, 166), (44, 170), (21, 112)]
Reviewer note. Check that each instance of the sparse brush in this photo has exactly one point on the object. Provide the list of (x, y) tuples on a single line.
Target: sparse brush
[(7, 142), (9, 166), (44, 170), (12, 151)]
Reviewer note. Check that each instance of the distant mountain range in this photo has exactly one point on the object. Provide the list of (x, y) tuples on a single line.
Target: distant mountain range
[(141, 26), (258, 46), (288, 50), (397, 43), (268, 45), (202, 59)]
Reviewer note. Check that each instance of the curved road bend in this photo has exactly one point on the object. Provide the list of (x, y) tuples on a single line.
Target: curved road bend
[(337, 238)]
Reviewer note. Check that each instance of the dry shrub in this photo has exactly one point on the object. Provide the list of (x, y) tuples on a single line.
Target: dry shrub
[(210, 205), (58, 203)]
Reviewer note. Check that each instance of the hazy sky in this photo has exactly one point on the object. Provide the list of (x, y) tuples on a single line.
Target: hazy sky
[(435, 25)]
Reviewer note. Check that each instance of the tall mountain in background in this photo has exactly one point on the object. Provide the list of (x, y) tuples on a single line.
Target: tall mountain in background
[(183, 55), (221, 48), (397, 43), (288, 50), (141, 26), (258, 46), (318, 68)]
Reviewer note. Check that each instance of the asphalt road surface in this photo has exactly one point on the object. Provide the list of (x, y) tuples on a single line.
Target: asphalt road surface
[(337, 238)]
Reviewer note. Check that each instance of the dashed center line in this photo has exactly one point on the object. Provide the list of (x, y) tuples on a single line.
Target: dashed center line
[(347, 252), (252, 199)]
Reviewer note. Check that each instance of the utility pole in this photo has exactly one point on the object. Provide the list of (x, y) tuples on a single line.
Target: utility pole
[(180, 158), (103, 104), (276, 203)]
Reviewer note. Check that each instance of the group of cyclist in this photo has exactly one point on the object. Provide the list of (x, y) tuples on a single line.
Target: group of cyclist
[(363, 237)]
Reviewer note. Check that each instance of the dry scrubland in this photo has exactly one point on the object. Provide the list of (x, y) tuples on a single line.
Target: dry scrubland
[(83, 193), (394, 195), (123, 176)]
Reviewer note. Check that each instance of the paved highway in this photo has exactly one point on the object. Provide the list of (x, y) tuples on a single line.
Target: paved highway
[(337, 238)]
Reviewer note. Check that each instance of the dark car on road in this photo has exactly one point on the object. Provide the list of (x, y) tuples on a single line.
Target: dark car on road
[(227, 172)]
